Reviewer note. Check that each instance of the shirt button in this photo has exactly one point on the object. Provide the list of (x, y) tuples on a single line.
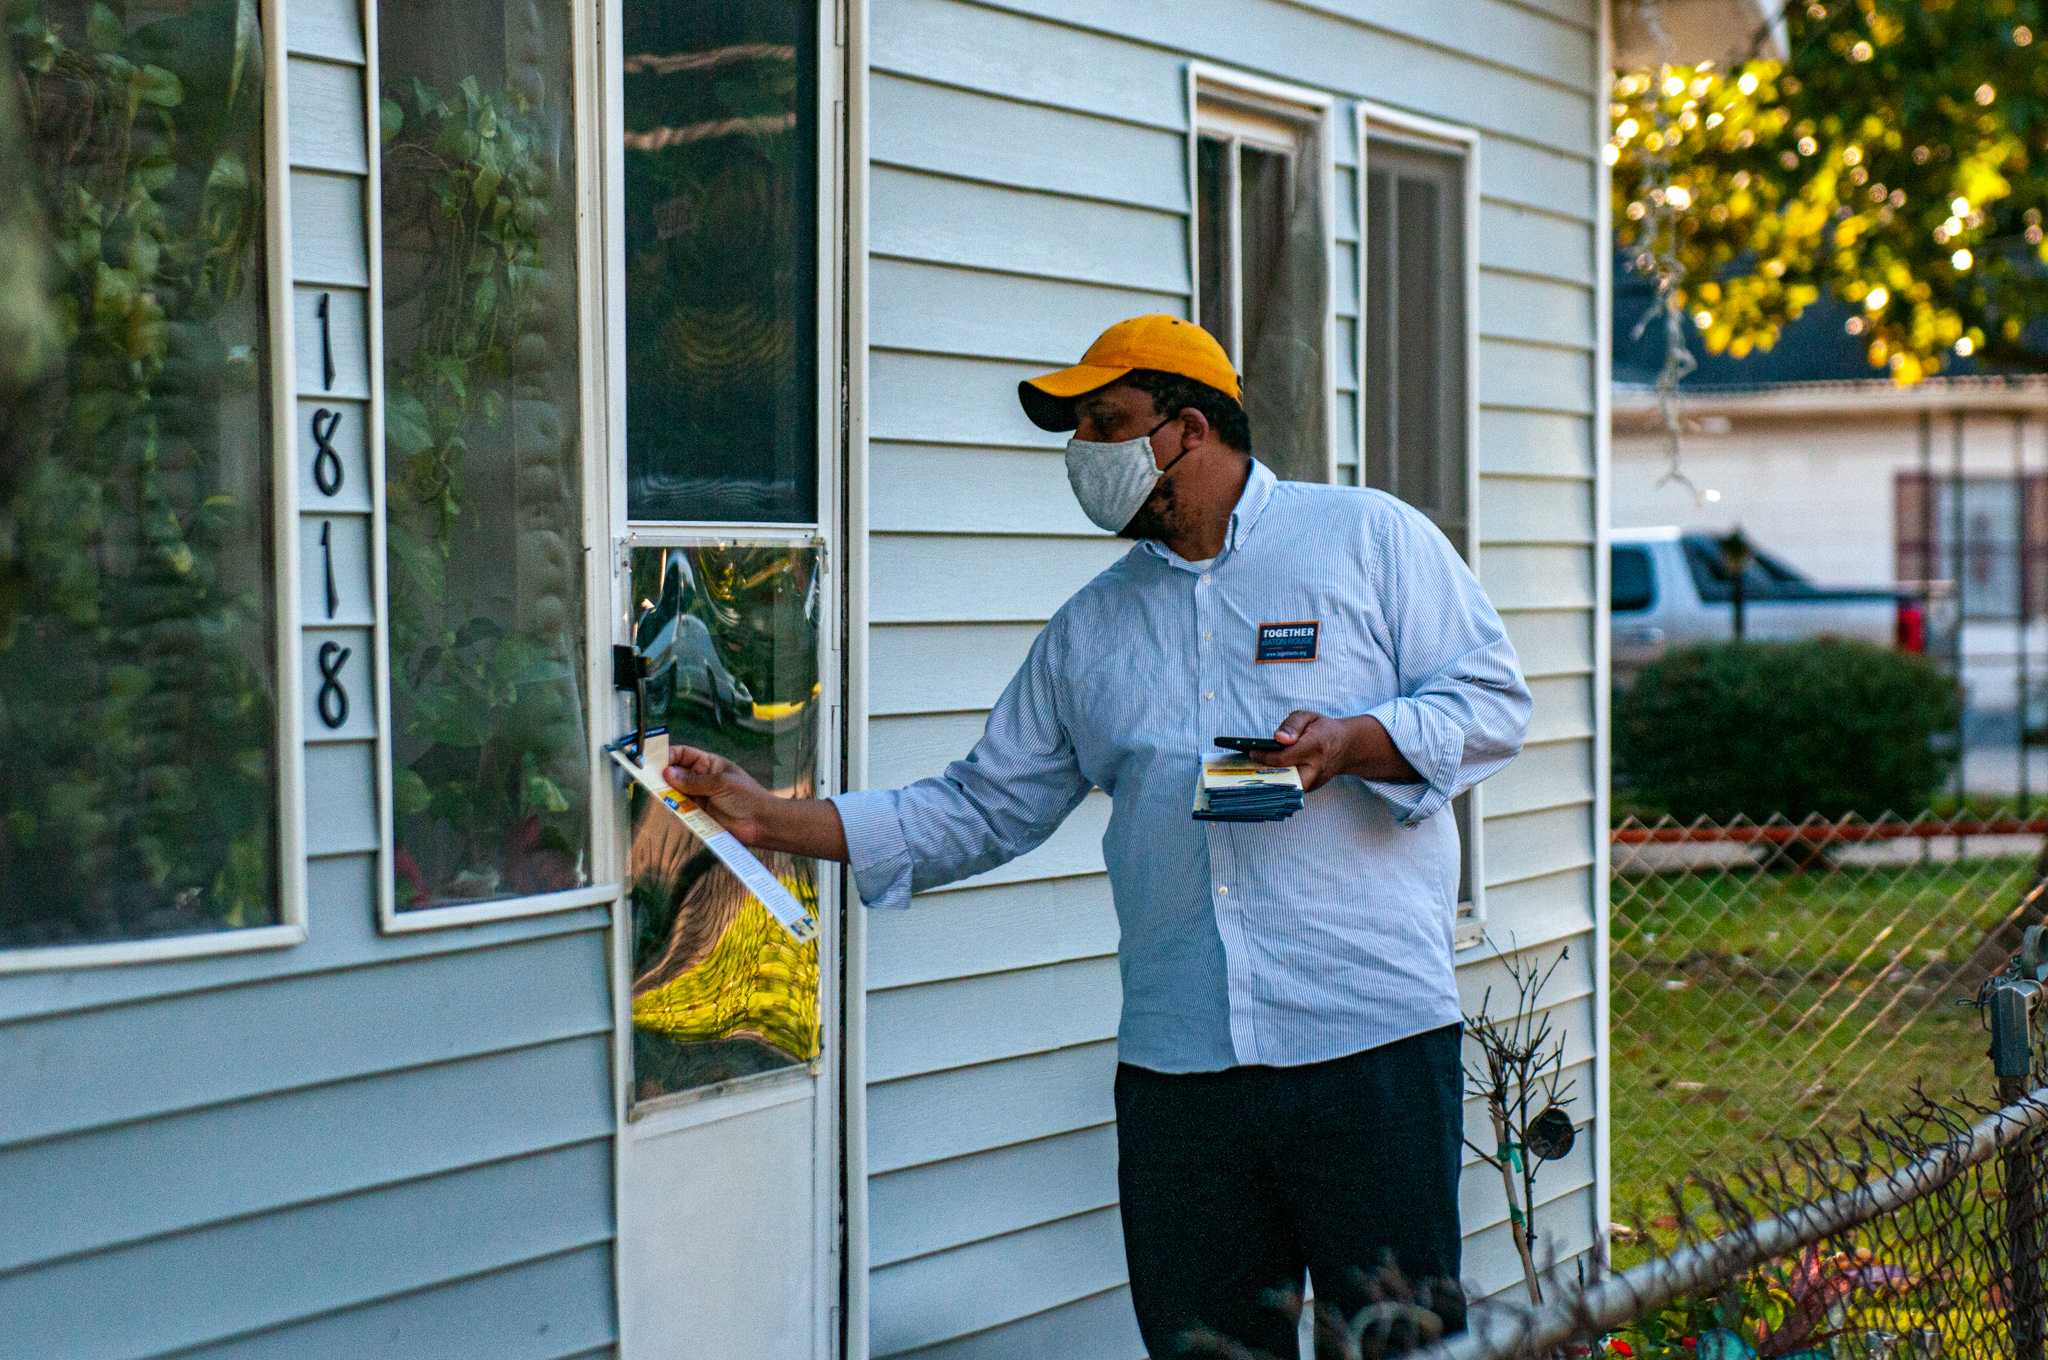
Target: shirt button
[(1210, 695), (1223, 889), (1205, 578), (1208, 634)]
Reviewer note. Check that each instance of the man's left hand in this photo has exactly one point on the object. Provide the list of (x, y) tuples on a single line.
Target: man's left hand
[(1317, 746), (1322, 747)]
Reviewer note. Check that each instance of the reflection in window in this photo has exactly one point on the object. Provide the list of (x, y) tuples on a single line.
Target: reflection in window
[(721, 261), (720, 990), (491, 781), (1259, 235), (137, 637)]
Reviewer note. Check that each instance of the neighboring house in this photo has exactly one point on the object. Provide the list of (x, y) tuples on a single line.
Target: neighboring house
[(1941, 486), (698, 328)]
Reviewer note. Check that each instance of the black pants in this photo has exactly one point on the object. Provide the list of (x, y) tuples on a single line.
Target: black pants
[(1234, 1182)]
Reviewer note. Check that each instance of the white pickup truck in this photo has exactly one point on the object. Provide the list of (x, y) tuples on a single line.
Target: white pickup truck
[(1671, 587)]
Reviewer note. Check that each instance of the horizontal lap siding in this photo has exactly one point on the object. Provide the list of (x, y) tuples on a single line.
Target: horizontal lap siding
[(1029, 187), (235, 1161)]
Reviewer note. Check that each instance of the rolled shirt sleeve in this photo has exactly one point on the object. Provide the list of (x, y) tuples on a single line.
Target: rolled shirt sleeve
[(1464, 706), (1004, 798)]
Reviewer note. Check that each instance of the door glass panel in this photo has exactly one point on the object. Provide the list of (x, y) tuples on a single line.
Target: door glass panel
[(490, 749), (138, 685), (720, 990), (721, 261)]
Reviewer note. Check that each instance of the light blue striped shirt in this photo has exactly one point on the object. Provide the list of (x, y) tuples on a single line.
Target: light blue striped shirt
[(1279, 943)]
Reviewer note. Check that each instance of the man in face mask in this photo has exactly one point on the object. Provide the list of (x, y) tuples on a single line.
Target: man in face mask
[(1289, 1091)]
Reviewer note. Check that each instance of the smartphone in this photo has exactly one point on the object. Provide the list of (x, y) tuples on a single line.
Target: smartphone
[(1248, 744)]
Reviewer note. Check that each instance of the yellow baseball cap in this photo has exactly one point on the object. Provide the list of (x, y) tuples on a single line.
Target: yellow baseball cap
[(1157, 341)]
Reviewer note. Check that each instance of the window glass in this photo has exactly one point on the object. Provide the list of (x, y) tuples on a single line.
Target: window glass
[(1633, 587), (1262, 183), (1212, 229), (137, 632), (1271, 260), (721, 261), (490, 786), (1977, 538), (1415, 328), (1382, 360), (1418, 413), (730, 635)]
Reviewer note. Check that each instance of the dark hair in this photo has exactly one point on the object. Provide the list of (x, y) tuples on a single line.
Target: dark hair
[(1171, 394)]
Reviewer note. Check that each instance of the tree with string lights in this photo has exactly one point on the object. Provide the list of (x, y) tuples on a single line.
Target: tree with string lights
[(1896, 159)]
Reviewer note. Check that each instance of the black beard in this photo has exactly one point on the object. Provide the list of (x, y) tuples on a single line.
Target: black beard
[(1156, 518)]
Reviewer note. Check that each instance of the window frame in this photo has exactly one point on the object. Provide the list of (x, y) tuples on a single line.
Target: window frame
[(841, 486), (280, 282), (835, 1080), (585, 135), (1246, 106), (1378, 122)]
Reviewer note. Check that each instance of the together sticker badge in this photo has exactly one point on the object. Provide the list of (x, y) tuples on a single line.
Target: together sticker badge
[(1297, 640)]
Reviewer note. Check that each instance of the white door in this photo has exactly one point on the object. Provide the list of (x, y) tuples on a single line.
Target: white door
[(721, 209)]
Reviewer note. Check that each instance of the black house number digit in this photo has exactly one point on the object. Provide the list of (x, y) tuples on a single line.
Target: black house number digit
[(326, 346), (333, 698), (326, 462), (327, 561)]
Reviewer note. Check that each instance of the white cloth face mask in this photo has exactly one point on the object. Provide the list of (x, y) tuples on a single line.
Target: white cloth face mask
[(1112, 480)]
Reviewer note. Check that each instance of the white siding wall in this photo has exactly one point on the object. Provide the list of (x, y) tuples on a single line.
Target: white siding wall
[(1028, 188)]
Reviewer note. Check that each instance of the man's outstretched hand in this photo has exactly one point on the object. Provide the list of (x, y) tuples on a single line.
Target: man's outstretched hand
[(756, 818), (733, 797)]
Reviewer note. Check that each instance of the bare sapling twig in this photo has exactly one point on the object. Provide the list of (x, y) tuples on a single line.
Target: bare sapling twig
[(1520, 1068)]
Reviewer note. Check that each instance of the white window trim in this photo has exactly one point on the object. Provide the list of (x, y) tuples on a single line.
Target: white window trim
[(1377, 121), (1314, 111), (290, 928), (604, 887)]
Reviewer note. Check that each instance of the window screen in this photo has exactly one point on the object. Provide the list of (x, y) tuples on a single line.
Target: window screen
[(1415, 379)]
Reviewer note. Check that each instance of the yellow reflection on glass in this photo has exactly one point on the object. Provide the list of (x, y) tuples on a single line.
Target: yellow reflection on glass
[(720, 990)]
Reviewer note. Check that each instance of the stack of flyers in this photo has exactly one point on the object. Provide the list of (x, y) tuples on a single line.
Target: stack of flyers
[(1235, 788)]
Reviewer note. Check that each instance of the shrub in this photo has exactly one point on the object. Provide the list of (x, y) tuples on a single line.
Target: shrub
[(1826, 728)]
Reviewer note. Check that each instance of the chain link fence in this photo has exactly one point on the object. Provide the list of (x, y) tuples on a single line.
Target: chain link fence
[(1920, 1233), (1773, 979)]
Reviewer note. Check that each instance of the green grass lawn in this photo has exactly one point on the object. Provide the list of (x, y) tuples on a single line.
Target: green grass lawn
[(1750, 1005)]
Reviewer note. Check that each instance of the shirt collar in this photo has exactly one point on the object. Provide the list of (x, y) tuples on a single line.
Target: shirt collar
[(1251, 504)]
